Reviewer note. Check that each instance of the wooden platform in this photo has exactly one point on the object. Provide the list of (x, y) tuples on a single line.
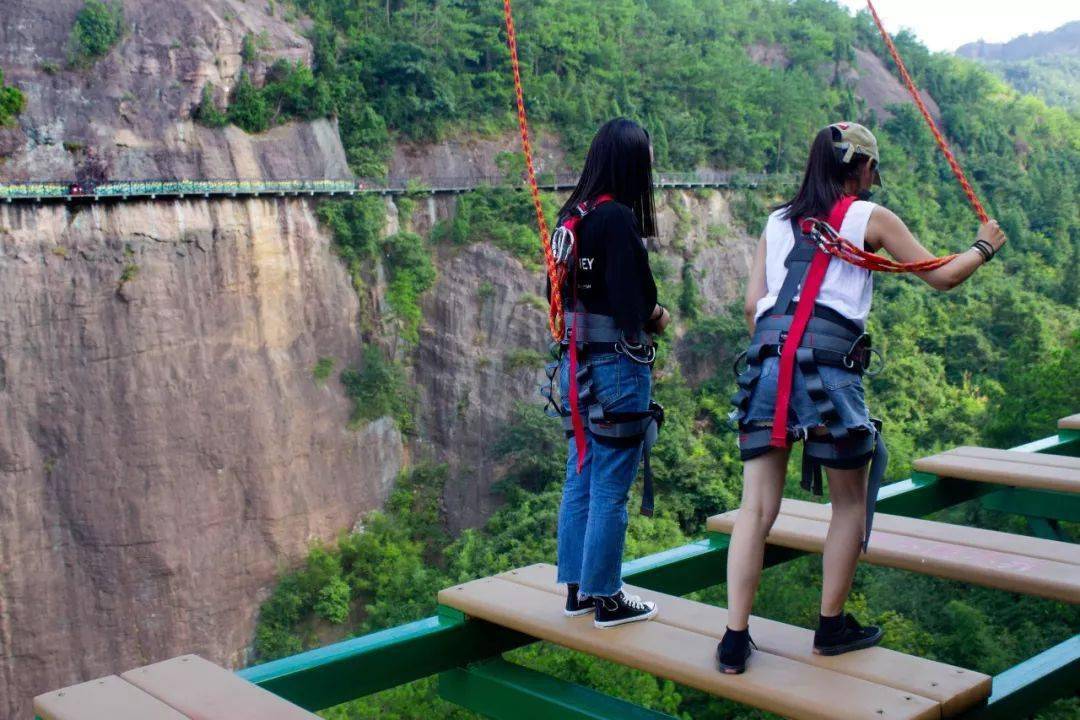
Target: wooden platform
[(783, 677), (1037, 471), (184, 688), (1032, 566), (1069, 423)]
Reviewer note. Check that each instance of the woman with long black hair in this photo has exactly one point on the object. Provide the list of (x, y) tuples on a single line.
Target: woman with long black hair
[(611, 310), (823, 393)]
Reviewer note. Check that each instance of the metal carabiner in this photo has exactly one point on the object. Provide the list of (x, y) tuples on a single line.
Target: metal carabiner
[(631, 351), (881, 363), (735, 365)]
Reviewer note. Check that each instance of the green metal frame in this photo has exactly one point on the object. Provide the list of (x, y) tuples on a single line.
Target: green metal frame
[(500, 689), (465, 652)]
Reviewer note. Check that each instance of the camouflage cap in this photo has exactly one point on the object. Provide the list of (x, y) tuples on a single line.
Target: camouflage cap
[(850, 138)]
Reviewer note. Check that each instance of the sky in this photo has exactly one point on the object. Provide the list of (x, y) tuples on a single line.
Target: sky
[(948, 24)]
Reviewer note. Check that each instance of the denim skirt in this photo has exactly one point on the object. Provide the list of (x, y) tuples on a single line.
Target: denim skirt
[(843, 386)]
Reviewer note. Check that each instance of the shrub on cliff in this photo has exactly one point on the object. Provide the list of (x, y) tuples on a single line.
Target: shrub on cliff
[(208, 113), (248, 109), (408, 261), (293, 92), (379, 389), (12, 102), (98, 27), (290, 92)]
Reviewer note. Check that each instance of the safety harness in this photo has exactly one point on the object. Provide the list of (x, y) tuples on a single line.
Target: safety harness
[(810, 335), (588, 334)]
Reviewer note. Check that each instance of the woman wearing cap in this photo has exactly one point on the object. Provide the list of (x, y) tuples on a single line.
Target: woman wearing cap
[(843, 165)]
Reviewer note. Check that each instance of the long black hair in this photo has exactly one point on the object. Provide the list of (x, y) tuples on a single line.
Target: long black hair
[(823, 182), (619, 163)]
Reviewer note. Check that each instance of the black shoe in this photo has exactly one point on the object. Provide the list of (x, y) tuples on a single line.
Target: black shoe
[(620, 608), (848, 635), (733, 651), (576, 606)]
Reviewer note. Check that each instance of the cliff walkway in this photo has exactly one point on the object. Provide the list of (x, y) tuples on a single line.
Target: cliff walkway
[(121, 190)]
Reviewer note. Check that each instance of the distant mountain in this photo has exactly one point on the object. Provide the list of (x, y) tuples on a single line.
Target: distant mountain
[(1063, 41), (1045, 64)]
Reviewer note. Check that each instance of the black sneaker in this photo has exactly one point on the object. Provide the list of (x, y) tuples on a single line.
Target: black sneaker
[(575, 606), (620, 608), (847, 636), (733, 651)]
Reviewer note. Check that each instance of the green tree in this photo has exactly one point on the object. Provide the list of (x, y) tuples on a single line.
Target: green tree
[(208, 113), (99, 25), (12, 102), (248, 109)]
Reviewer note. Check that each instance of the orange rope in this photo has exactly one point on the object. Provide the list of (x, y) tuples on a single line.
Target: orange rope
[(957, 170), (555, 314)]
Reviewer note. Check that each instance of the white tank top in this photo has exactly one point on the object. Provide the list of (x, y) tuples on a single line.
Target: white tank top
[(846, 289)]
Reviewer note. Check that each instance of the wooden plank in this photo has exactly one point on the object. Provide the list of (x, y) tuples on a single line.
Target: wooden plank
[(955, 688), (978, 566), (201, 690), (1025, 458), (772, 682), (944, 532), (107, 697), (1016, 474), (1069, 423)]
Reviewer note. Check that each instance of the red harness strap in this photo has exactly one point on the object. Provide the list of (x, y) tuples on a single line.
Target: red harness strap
[(807, 296), (576, 421)]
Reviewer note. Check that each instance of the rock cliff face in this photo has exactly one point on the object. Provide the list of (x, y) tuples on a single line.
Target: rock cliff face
[(130, 112), (164, 447), (165, 450)]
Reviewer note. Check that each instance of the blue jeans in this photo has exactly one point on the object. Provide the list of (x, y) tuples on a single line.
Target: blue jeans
[(593, 517)]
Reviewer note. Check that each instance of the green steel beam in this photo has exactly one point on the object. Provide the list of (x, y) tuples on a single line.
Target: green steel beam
[(1047, 529), (1066, 442), (1024, 688), (1035, 503), (923, 494), (348, 670), (680, 570), (501, 690)]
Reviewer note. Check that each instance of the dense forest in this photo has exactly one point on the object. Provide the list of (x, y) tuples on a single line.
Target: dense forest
[(994, 362)]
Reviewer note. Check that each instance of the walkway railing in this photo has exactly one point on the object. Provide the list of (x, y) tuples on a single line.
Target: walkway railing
[(206, 188)]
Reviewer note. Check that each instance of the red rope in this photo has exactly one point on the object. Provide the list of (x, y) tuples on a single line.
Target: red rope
[(830, 242), (555, 313), (957, 170)]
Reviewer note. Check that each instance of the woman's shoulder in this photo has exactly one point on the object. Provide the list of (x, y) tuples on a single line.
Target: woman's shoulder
[(861, 210), (777, 220), (614, 210), (613, 218)]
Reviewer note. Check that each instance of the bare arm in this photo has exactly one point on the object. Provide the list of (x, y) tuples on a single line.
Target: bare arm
[(886, 230), (755, 286), (659, 320)]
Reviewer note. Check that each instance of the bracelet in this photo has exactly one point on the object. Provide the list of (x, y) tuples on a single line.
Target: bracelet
[(985, 249)]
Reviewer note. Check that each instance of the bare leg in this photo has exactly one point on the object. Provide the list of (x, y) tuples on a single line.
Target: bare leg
[(847, 490), (763, 486)]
